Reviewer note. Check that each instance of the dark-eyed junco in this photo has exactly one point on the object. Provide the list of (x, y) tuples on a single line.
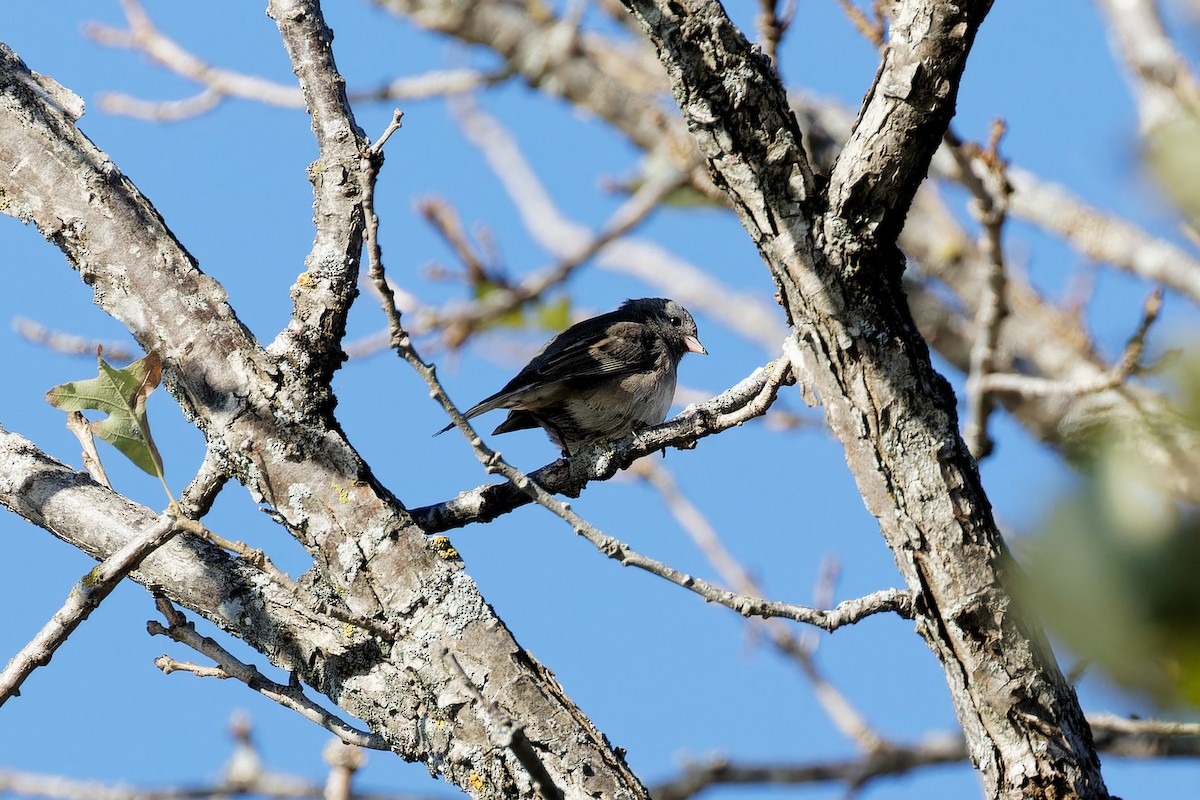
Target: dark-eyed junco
[(600, 378)]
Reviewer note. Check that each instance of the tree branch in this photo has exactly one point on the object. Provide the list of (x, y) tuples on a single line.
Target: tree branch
[(293, 456), (904, 116), (311, 344), (1114, 735), (290, 697), (569, 476), (839, 276), (84, 598)]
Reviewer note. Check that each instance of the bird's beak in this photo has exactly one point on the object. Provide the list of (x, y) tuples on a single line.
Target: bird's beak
[(694, 346)]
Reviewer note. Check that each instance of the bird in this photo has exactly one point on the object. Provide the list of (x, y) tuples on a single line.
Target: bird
[(601, 378)]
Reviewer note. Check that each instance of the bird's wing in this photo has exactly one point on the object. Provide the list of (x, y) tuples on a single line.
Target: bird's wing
[(602, 349), (606, 345)]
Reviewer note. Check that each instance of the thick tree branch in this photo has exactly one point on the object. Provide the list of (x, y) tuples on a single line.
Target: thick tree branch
[(311, 345), (839, 280), (904, 115)]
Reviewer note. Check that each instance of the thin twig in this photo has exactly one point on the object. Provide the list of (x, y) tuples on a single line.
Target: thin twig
[(169, 665), (86, 595), (845, 613), (292, 697), (78, 424)]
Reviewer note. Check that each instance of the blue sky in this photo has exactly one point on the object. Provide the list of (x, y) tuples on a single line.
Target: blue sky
[(662, 674)]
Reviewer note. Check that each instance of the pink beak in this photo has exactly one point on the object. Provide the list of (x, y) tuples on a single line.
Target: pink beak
[(694, 346)]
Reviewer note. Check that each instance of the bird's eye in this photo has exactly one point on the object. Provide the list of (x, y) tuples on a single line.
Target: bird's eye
[(676, 321)]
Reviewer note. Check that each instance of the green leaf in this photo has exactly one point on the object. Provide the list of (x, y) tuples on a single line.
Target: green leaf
[(514, 318), (121, 394), (555, 315)]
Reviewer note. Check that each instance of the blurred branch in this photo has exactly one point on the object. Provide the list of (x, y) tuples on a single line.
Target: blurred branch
[(70, 343), (990, 207), (218, 83), (459, 324), (620, 83), (873, 30), (344, 761), (1094, 233), (243, 775), (1120, 372), (1113, 724), (1041, 341), (446, 221), (854, 772), (744, 313), (1163, 82), (1114, 735)]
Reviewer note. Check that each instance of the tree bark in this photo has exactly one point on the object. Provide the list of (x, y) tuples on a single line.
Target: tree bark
[(833, 254)]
